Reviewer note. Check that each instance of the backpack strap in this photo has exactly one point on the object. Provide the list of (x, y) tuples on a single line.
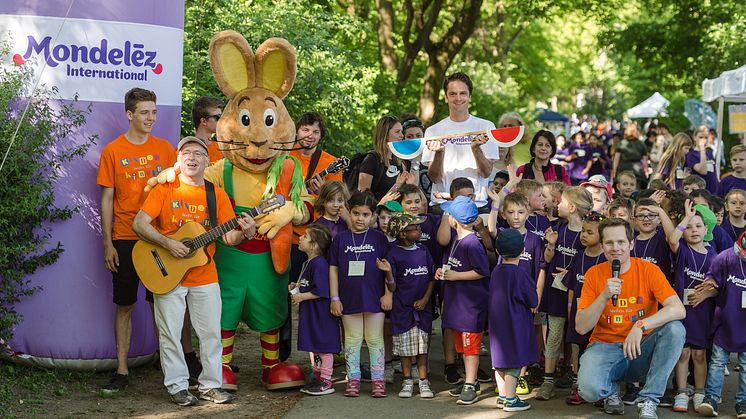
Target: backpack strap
[(211, 206)]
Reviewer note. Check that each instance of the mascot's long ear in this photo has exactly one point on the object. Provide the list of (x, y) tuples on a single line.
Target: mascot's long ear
[(232, 62), (276, 66)]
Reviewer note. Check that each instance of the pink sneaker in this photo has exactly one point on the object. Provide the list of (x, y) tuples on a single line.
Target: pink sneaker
[(379, 388), (353, 388)]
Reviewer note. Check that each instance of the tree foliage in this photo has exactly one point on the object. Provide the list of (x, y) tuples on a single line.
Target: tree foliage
[(43, 130)]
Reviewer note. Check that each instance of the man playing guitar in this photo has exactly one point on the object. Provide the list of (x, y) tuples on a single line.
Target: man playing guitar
[(171, 205)]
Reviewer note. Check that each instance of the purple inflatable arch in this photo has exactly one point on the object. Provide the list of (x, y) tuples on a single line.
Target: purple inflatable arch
[(97, 50)]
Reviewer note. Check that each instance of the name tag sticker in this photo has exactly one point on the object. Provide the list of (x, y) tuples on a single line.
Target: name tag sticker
[(557, 283), (710, 166), (687, 293), (680, 174), (356, 268)]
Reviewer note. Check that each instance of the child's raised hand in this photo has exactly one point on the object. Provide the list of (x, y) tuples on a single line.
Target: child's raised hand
[(551, 236), (336, 308), (383, 265), (387, 301), (689, 210), (658, 196), (391, 195), (513, 179), (493, 191)]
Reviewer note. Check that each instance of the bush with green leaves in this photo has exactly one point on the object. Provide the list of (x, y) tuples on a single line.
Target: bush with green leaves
[(38, 136)]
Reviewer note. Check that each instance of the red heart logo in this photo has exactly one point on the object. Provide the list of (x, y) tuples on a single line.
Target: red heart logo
[(158, 69), (18, 59)]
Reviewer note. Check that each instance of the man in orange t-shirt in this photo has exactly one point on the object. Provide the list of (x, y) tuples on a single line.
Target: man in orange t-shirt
[(310, 130), (168, 207), (634, 339), (124, 168), (206, 111)]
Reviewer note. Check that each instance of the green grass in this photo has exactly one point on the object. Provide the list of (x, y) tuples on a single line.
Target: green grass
[(23, 390)]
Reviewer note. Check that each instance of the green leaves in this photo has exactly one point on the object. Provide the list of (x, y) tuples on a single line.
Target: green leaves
[(39, 144)]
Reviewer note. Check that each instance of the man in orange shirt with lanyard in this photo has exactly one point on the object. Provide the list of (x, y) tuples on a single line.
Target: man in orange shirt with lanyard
[(632, 338), (169, 206), (124, 168), (310, 130)]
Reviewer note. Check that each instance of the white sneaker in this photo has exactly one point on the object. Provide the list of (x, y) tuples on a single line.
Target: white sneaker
[(697, 400), (425, 391), (407, 388), (681, 402)]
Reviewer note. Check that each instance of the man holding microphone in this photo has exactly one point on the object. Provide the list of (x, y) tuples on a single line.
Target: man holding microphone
[(632, 340)]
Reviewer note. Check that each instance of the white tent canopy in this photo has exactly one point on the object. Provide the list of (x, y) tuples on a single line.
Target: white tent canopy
[(730, 83), (651, 107)]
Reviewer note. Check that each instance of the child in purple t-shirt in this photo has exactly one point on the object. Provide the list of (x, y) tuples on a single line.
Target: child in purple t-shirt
[(357, 291), (726, 280), (735, 207), (409, 270), (737, 179), (573, 279), (692, 261), (318, 329), (576, 202), (464, 272), (331, 204), (651, 244)]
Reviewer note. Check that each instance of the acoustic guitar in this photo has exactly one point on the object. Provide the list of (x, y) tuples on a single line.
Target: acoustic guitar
[(161, 272), (334, 167)]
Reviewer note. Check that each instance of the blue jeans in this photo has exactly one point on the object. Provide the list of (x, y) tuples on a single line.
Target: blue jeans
[(603, 364), (716, 374)]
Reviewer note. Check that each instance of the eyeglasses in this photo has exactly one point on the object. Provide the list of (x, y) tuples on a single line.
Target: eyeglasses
[(214, 116), (196, 154), (646, 217)]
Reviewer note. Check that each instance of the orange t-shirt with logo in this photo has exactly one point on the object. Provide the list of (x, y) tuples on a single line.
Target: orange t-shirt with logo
[(643, 287), (213, 152), (126, 167), (173, 204), (305, 161)]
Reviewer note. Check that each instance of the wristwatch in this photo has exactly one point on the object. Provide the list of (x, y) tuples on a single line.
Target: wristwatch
[(640, 325)]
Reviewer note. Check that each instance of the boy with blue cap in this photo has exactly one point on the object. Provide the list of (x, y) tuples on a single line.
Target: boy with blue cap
[(465, 288)]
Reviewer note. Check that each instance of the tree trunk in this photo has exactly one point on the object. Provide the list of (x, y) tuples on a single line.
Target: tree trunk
[(431, 85), (386, 32)]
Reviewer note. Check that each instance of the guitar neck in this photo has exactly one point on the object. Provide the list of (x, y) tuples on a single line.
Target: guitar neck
[(321, 174), (213, 234)]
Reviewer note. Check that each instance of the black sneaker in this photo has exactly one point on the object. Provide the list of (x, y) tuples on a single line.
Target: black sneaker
[(483, 377), (194, 366), (631, 394), (117, 383), (469, 394), (184, 398), (564, 380), (708, 407), (666, 400), (452, 375)]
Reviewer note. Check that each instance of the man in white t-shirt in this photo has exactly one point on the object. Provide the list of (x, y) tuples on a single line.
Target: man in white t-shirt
[(469, 158)]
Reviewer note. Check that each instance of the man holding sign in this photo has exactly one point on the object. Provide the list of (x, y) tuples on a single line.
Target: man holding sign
[(451, 158)]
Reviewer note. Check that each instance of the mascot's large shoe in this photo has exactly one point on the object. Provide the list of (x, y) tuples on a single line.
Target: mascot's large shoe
[(229, 379), (282, 375)]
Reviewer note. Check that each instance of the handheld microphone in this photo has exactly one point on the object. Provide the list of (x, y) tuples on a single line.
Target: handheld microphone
[(615, 267)]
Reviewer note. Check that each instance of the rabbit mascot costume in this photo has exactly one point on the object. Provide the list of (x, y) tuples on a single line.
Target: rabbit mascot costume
[(254, 133)]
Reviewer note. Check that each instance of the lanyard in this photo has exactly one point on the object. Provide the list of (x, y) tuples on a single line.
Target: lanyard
[(354, 245), (698, 270), (564, 255)]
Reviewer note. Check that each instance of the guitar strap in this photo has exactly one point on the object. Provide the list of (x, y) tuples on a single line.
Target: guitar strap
[(211, 206), (314, 162)]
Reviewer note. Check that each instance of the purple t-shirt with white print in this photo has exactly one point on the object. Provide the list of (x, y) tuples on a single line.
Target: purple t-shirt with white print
[(731, 182), (574, 280), (690, 268), (728, 271), (318, 329), (465, 302), (554, 300), (412, 269), (429, 237), (656, 251), (537, 224), (359, 293), (732, 231)]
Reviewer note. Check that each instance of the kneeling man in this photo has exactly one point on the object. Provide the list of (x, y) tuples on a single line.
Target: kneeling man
[(632, 340)]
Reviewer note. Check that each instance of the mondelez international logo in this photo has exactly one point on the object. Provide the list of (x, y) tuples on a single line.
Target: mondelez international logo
[(95, 61)]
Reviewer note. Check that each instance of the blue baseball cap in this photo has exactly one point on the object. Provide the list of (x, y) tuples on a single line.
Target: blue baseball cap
[(462, 209)]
